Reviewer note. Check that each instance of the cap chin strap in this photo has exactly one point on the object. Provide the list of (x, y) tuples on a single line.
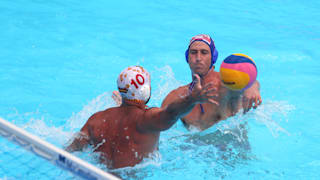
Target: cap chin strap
[(149, 96), (190, 91), (148, 100)]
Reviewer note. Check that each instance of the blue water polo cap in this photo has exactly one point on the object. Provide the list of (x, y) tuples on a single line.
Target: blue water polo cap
[(206, 39)]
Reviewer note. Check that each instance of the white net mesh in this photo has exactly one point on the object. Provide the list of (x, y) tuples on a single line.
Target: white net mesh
[(18, 163)]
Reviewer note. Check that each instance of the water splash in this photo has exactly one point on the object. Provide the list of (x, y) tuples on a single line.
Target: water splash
[(49, 132), (40, 124), (143, 169), (43, 125), (101, 102), (166, 83), (271, 114), (221, 149)]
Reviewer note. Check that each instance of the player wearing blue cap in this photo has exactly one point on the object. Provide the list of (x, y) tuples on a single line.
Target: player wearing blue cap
[(201, 56)]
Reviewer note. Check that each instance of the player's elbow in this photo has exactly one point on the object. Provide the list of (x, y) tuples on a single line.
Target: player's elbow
[(74, 146), (79, 142), (165, 122), (168, 120), (168, 124)]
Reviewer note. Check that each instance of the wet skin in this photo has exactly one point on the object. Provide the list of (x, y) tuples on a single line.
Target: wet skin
[(125, 135), (229, 101)]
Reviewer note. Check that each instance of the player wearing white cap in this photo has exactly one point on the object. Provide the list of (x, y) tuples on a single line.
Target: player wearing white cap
[(125, 135)]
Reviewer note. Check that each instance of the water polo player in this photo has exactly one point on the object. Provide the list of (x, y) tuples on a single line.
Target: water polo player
[(201, 56), (125, 135)]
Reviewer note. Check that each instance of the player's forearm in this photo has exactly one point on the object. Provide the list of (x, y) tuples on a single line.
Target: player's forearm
[(169, 114), (180, 106)]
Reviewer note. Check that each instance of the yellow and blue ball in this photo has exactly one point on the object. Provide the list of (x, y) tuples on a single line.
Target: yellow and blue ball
[(238, 72)]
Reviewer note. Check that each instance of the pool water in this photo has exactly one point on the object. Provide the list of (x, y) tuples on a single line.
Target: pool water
[(59, 62)]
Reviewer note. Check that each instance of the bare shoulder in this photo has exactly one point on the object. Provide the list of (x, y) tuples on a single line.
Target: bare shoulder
[(214, 77), (102, 116)]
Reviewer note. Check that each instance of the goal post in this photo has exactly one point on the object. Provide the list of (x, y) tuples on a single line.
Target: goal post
[(51, 153)]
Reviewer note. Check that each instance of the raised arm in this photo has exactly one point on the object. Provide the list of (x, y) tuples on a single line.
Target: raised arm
[(177, 104)]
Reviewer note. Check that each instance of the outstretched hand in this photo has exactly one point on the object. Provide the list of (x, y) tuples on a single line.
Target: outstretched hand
[(206, 93)]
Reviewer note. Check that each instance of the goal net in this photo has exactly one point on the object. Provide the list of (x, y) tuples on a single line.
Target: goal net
[(20, 152)]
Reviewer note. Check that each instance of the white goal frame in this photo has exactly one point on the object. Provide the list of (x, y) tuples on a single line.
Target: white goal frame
[(53, 154)]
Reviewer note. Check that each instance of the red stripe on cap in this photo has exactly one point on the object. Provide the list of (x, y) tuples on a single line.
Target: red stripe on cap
[(202, 37)]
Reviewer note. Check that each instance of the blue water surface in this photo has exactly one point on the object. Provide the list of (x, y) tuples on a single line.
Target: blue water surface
[(59, 61)]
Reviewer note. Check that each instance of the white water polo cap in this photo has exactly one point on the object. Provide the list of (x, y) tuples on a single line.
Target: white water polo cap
[(134, 84)]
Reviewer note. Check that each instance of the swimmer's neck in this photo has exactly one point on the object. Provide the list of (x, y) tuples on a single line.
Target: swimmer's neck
[(126, 102), (207, 75)]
